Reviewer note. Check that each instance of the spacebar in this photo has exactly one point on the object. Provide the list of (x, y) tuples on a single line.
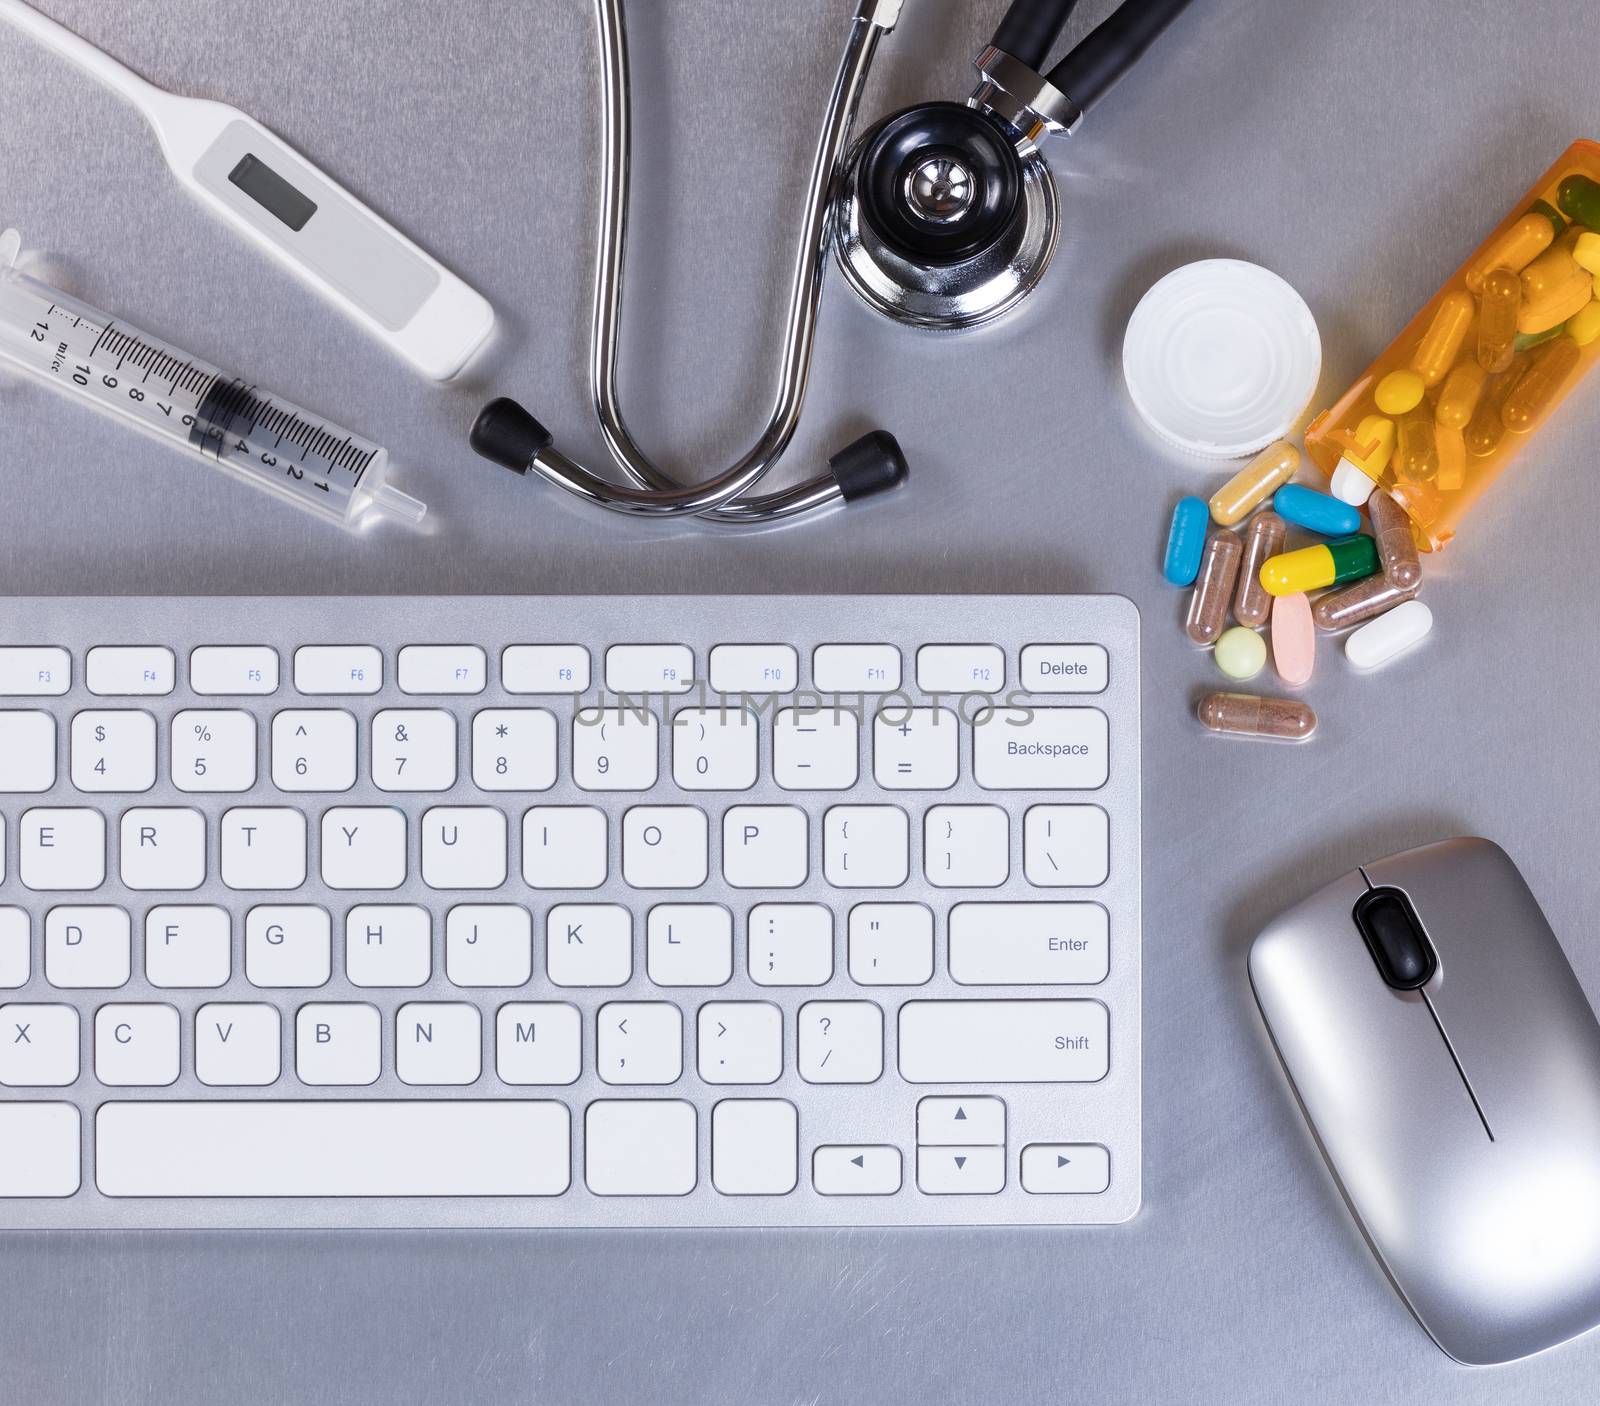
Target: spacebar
[(333, 1148)]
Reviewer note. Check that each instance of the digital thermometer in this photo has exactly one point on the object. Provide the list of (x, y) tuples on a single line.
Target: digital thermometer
[(304, 219)]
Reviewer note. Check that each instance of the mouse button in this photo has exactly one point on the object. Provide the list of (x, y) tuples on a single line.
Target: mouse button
[(1395, 938)]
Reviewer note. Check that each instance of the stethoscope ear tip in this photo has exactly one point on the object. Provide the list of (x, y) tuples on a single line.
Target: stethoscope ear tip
[(506, 434), (872, 464)]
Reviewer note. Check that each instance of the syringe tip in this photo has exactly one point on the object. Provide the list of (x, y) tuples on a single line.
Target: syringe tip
[(389, 499)]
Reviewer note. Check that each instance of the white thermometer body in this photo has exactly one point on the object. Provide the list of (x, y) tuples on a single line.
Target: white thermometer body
[(301, 217)]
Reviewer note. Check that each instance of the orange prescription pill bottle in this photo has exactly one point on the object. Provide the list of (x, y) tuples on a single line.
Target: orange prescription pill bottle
[(1447, 406)]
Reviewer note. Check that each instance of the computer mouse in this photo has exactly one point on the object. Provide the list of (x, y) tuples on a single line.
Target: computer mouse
[(1448, 1064)]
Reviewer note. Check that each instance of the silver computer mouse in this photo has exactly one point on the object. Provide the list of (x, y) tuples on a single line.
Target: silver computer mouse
[(1448, 1063)]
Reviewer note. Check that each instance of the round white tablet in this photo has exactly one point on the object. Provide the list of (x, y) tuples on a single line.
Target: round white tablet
[(1221, 358)]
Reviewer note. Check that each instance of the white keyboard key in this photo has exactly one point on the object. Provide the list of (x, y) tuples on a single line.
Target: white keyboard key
[(136, 1045), (891, 944), (815, 749), (664, 847), (1066, 846), (689, 944), (27, 752), (649, 668), (388, 945), (537, 1042), (961, 668), (564, 847), (841, 1042), (514, 749), (1065, 1168), (131, 671), (413, 749), (38, 1047), (640, 1147), (87, 947), (188, 946), (961, 1171), (588, 944), (614, 749), (1065, 668), (639, 1042), (740, 1042), (42, 1150), (755, 1146), (1029, 944), (263, 847), (488, 944), (330, 1147), (545, 668), (34, 671), (464, 847), (237, 1045), (1040, 749), (288, 945), (754, 668), (113, 751), (916, 749), (714, 749), (338, 1042), (856, 668), (765, 847), (966, 847), (363, 847), (443, 668), (961, 1122), (866, 846), (313, 749), (338, 668), (791, 944), (856, 1169), (1003, 1042), (62, 849), (163, 848), (438, 1042), (220, 670), (213, 750), (16, 961)]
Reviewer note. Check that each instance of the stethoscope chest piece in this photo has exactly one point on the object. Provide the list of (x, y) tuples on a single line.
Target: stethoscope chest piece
[(944, 220)]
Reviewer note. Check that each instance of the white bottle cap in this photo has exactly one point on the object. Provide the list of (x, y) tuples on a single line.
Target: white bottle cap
[(1221, 358), (1350, 485)]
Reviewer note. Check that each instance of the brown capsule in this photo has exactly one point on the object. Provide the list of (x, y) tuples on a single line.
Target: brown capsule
[(1397, 548), (1417, 453), (1485, 430), (1539, 390), (1246, 715), (1251, 603), (1213, 588), (1338, 610)]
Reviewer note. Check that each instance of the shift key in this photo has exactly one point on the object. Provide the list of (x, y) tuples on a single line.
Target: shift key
[(1003, 1042)]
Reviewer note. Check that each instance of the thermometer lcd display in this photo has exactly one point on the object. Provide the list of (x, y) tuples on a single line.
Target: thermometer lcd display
[(270, 191)]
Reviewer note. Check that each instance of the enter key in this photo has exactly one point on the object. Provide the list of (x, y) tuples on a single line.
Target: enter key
[(1029, 944)]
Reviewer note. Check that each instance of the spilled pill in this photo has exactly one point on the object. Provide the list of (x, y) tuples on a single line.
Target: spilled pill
[(1186, 541), (1213, 588), (1246, 715), (1251, 603), (1397, 549), (1273, 467), (1294, 639), (1316, 512), (1241, 653), (1338, 610), (1326, 564), (1380, 640)]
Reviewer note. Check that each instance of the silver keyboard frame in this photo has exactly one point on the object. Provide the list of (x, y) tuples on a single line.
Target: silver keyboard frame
[(1106, 1112)]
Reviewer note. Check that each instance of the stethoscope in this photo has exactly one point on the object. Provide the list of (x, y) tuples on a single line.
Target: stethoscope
[(941, 216)]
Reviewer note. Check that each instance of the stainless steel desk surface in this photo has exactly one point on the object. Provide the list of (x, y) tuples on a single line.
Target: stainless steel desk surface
[(1359, 149)]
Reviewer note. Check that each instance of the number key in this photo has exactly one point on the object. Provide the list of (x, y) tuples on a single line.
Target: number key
[(514, 749), (313, 749), (614, 749), (113, 751), (213, 750), (413, 749)]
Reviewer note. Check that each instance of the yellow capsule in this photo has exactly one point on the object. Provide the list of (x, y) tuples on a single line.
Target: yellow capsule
[(1586, 251), (1515, 249), (1554, 307), (1459, 396), (1486, 429), (1584, 325), (1450, 448), (1263, 476), (1538, 390), (1416, 454), (1497, 318), (1436, 352), (1399, 392), (1370, 448)]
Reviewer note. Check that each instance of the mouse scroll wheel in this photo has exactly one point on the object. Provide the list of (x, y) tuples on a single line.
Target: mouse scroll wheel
[(1395, 938)]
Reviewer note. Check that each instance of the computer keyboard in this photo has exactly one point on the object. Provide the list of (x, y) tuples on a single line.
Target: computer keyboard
[(489, 912)]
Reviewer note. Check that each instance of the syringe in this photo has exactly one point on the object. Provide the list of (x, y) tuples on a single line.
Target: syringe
[(259, 438)]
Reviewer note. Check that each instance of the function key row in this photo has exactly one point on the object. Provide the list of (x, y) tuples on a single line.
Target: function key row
[(132, 671)]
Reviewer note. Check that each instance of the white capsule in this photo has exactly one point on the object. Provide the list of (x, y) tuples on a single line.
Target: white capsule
[(1392, 633), (1350, 485)]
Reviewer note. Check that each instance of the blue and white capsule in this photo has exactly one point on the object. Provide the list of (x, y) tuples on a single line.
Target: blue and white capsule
[(1186, 541), (1316, 512)]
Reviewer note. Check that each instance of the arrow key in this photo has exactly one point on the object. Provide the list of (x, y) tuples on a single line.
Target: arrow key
[(855, 1169), (1082, 1168), (961, 1171), (961, 1122)]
